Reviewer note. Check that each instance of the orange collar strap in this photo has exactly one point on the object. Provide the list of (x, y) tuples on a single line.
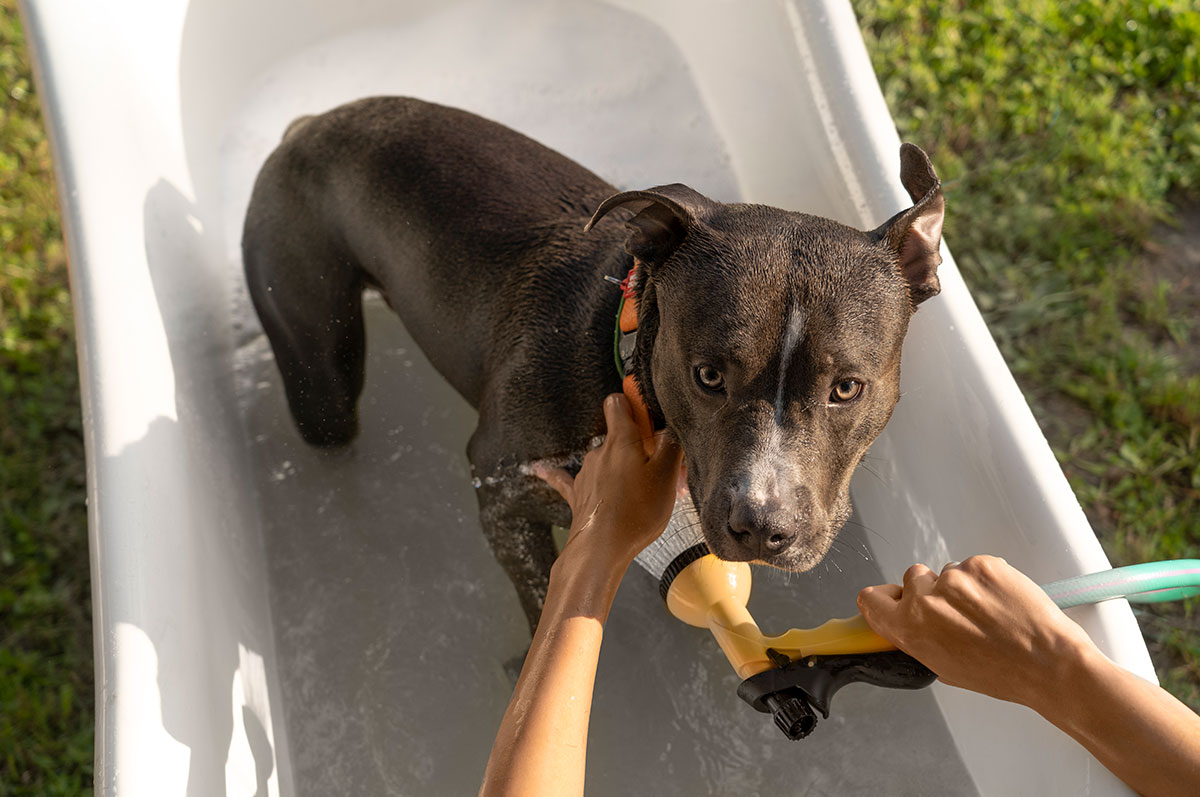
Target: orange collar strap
[(624, 345), (625, 336)]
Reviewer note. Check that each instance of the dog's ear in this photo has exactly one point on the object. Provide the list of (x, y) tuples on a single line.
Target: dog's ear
[(916, 234), (662, 217)]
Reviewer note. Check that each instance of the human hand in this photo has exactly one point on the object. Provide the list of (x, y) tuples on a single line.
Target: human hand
[(621, 499), (980, 625)]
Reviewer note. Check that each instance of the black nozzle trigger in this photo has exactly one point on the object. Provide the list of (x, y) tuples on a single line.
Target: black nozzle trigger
[(791, 690)]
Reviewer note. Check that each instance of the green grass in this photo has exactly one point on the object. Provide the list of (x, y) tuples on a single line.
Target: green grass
[(1064, 132), (46, 713)]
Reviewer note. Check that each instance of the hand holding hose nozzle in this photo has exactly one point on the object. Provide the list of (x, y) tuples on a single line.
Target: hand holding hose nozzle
[(787, 675), (791, 674)]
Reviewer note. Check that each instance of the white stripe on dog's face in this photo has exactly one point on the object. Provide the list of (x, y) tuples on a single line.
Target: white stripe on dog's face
[(767, 457), (792, 333), (763, 470)]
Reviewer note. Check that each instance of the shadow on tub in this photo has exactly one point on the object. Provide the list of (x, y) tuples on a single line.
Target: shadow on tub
[(233, 733)]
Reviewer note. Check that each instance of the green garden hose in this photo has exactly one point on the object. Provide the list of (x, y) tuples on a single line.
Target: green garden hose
[(1151, 582)]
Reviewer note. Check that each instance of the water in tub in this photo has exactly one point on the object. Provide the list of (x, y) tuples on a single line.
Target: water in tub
[(398, 636)]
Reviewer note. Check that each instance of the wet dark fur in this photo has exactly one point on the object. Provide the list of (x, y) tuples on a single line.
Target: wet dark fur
[(475, 235)]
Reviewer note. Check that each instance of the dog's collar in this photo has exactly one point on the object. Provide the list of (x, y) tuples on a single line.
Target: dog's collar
[(625, 334), (624, 345)]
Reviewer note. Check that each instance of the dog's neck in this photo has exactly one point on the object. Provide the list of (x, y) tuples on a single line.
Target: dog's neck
[(627, 347), (625, 337)]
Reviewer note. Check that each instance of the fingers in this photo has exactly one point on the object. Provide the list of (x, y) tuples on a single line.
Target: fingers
[(625, 436), (562, 481), (878, 598), (918, 580), (618, 417), (878, 605)]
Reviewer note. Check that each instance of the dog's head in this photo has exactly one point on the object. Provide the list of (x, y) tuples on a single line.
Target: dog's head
[(769, 344)]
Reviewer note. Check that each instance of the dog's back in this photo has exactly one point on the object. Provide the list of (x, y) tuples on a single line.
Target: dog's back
[(473, 233)]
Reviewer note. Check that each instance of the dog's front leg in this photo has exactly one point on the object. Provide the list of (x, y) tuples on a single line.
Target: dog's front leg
[(515, 511)]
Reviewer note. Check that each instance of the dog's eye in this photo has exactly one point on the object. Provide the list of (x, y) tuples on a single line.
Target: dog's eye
[(846, 390), (710, 378)]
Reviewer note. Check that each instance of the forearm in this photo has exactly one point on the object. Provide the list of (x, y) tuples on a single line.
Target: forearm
[(619, 502), (541, 746), (1142, 734)]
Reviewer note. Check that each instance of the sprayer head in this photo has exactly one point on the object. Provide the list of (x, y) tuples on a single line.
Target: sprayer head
[(680, 544), (792, 715)]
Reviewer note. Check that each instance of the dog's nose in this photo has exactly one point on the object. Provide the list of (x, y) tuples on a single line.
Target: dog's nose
[(761, 527)]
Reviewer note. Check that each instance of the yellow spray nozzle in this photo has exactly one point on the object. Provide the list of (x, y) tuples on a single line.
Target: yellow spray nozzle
[(790, 676), (711, 593)]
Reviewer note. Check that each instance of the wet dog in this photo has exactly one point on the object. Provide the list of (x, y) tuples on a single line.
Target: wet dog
[(768, 341)]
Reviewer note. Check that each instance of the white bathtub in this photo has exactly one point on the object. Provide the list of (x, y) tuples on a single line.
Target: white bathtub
[(272, 620)]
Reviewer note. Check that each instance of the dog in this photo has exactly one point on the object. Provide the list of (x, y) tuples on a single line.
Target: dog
[(768, 341)]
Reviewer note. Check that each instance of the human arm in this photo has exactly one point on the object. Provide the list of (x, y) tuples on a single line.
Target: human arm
[(984, 626), (620, 500)]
